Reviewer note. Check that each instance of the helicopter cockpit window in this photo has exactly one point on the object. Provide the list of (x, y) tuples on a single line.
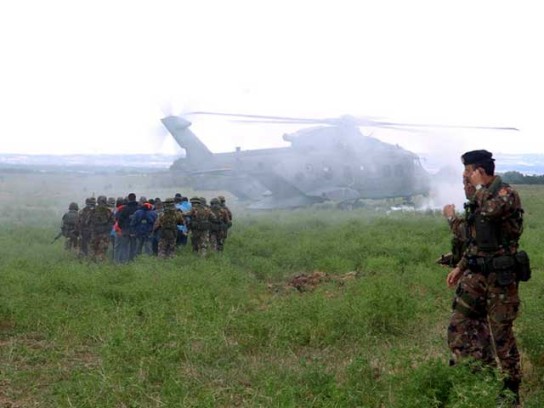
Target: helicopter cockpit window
[(387, 170)]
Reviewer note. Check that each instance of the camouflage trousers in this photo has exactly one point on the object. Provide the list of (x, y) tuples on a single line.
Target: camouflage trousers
[(99, 246), (482, 320), (72, 243), (217, 240), (84, 240), (200, 240), (167, 247)]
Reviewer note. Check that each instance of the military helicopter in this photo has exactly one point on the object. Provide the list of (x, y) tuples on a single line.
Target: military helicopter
[(332, 161)]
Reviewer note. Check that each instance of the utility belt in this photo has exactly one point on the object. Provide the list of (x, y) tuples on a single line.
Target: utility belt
[(509, 268)]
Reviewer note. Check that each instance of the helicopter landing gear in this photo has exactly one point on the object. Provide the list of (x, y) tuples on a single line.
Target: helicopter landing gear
[(350, 204)]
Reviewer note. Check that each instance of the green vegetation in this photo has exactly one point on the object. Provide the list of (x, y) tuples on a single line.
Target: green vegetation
[(229, 330), (515, 177)]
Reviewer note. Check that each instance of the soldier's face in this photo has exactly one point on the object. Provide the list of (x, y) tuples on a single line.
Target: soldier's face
[(469, 168)]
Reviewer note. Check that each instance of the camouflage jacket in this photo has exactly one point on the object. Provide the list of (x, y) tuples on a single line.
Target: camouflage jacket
[(229, 212), (70, 223), (222, 219), (101, 220), (200, 218), (85, 219), (493, 222)]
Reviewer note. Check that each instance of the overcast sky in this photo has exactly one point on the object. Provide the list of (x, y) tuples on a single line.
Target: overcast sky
[(97, 76)]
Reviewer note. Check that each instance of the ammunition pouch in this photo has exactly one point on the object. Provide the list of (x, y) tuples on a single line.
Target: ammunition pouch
[(505, 268), (523, 267), (487, 234)]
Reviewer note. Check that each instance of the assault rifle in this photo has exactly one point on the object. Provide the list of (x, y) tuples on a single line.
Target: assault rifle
[(446, 260), (57, 237)]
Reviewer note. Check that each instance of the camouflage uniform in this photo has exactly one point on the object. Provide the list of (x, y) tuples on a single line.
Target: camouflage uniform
[(218, 227), (85, 227), (166, 224), (200, 218), (101, 222), (70, 228), (222, 201), (486, 299)]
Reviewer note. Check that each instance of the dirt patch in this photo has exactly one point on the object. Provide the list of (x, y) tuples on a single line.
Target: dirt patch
[(307, 282)]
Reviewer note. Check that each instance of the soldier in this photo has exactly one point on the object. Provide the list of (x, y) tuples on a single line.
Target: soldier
[(70, 228), (222, 201), (167, 224), (101, 221), (219, 225), (200, 218), (155, 236), (85, 227), (486, 299)]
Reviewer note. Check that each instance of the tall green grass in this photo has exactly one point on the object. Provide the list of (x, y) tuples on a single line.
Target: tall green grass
[(228, 330)]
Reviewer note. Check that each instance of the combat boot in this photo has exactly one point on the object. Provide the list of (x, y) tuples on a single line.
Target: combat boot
[(509, 395)]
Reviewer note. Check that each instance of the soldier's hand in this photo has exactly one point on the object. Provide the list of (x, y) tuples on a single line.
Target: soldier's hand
[(453, 277), (448, 210), (476, 177)]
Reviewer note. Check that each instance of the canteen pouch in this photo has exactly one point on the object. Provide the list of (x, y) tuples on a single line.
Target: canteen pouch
[(505, 268), (523, 267)]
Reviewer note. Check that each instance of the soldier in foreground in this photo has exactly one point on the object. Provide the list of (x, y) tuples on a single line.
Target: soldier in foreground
[(85, 226), (486, 299), (218, 228), (101, 222), (167, 227), (201, 218), (70, 228)]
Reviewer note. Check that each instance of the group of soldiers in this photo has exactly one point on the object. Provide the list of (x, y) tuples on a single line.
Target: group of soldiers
[(152, 227)]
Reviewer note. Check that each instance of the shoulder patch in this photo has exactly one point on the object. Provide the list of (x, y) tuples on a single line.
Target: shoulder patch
[(503, 192)]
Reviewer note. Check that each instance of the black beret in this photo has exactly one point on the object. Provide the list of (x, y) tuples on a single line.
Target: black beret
[(476, 157)]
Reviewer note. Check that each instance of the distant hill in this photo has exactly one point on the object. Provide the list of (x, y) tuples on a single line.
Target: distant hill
[(528, 164), (87, 163)]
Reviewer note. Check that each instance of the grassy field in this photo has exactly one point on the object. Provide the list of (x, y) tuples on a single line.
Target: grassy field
[(230, 330)]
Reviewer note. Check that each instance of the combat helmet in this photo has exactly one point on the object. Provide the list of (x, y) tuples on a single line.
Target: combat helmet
[(111, 202), (221, 198), (168, 203), (215, 202), (102, 200), (195, 200), (73, 206), (91, 201), (202, 200)]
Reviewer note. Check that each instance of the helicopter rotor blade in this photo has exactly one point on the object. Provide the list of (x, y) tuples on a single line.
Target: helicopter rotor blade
[(346, 120), (424, 125), (258, 118)]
